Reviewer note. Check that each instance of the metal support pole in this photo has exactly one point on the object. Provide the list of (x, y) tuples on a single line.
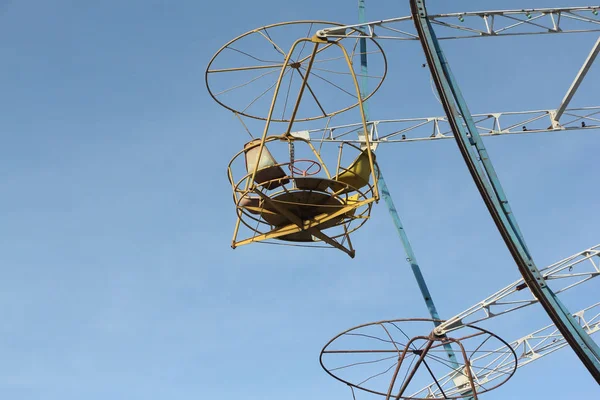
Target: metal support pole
[(488, 184), (362, 18), (385, 193)]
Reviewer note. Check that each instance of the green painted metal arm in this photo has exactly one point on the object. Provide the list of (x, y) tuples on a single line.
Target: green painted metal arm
[(387, 197)]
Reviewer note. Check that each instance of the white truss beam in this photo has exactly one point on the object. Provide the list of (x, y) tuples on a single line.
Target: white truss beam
[(481, 24), (561, 276), (434, 128), (497, 363)]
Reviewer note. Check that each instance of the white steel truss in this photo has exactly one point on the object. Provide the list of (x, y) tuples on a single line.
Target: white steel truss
[(499, 362), (434, 128), (495, 23), (561, 276), (481, 24)]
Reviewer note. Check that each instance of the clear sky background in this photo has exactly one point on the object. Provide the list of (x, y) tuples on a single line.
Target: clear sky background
[(117, 279)]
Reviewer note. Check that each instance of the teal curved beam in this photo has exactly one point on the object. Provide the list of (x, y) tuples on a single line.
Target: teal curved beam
[(488, 184)]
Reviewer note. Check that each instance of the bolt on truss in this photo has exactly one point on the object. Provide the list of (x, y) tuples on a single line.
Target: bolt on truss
[(562, 275), (434, 128), (480, 24), (499, 362)]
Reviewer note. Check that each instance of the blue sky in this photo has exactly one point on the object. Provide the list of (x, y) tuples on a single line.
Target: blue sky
[(117, 279)]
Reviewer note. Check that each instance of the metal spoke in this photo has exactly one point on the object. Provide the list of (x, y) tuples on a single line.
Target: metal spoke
[(253, 67), (250, 55), (244, 84), (275, 46), (332, 84), (265, 92)]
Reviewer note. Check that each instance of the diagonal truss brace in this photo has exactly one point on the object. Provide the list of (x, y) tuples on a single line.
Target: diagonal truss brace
[(435, 128), (575, 85), (529, 348), (562, 276), (463, 25)]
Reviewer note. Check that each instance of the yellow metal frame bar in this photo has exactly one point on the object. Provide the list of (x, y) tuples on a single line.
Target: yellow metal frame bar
[(317, 41), (297, 225), (311, 227), (363, 120), (276, 93)]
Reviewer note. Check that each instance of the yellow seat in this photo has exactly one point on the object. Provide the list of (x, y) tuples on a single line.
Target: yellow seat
[(358, 174)]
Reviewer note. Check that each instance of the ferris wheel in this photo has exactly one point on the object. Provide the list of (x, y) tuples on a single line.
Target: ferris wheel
[(315, 186)]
